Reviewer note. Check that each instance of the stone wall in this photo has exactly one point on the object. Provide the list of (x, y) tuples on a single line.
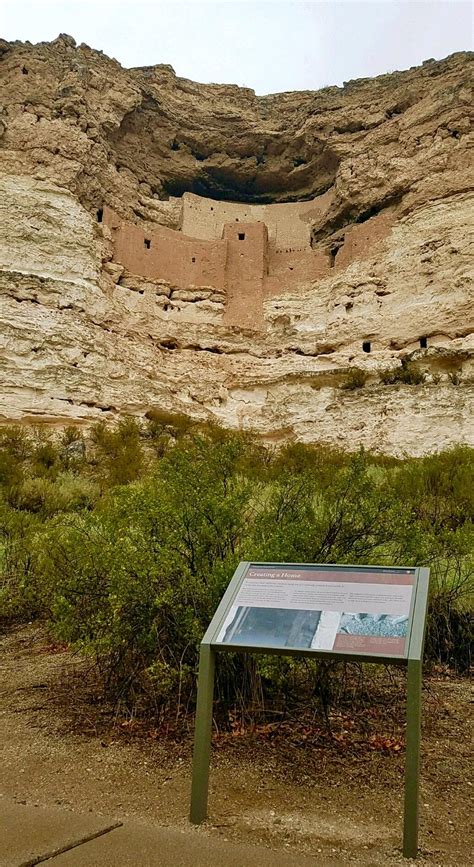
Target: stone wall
[(249, 268), (246, 272), (208, 252), (166, 254), (288, 223), (357, 241)]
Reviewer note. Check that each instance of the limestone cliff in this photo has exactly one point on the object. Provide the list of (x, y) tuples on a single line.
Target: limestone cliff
[(389, 165)]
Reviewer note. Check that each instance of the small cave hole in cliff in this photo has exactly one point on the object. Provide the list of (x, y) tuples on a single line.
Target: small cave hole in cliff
[(423, 342), (366, 346), (241, 236), (147, 243), (100, 214)]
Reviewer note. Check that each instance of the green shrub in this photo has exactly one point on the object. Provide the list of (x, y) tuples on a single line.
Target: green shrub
[(322, 462), (356, 378), (15, 440), (136, 582), (350, 518), (127, 554), (449, 633), (15, 448), (118, 452), (20, 592), (407, 374), (174, 423)]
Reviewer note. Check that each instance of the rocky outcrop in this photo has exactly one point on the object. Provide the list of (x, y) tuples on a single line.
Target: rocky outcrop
[(83, 339)]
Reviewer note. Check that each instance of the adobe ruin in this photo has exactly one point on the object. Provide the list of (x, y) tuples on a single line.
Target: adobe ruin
[(248, 252)]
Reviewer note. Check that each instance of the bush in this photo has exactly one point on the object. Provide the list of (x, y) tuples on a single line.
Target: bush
[(136, 583), (20, 594), (118, 452), (127, 555), (159, 421), (67, 493), (350, 519), (356, 378), (407, 374), (450, 635)]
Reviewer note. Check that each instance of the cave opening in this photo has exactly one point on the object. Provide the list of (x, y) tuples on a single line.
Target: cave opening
[(233, 161), (238, 184)]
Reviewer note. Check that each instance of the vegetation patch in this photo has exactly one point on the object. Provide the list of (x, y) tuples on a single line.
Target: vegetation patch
[(406, 374), (123, 545), (356, 378)]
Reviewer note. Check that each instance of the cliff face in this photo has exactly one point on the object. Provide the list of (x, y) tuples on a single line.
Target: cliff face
[(386, 160)]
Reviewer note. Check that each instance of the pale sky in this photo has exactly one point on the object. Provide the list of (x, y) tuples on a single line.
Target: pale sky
[(270, 46)]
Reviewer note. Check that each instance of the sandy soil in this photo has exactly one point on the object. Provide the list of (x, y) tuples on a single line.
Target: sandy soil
[(295, 788)]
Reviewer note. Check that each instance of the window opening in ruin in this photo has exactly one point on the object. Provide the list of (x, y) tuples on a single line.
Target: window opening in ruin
[(193, 259), (241, 236), (147, 243), (100, 214), (212, 208), (423, 342), (366, 347)]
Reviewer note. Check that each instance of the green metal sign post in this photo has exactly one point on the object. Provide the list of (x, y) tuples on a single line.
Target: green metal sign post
[(358, 613), (202, 735)]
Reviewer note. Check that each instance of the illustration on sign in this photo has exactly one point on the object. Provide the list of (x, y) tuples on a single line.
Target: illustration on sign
[(317, 609)]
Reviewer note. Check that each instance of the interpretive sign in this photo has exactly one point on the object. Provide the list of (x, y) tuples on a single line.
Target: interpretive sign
[(346, 610), (371, 613)]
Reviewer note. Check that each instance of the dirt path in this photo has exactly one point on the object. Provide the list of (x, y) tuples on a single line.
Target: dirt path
[(343, 802)]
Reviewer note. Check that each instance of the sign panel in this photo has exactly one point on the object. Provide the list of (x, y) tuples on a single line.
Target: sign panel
[(374, 612), (347, 610)]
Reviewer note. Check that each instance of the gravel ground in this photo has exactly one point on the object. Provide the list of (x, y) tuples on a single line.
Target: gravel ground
[(286, 788)]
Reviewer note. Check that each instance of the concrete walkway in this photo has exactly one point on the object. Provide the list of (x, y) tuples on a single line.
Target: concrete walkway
[(32, 835)]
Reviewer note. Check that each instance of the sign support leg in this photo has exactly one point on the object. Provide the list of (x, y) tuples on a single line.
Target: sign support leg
[(202, 735), (412, 760)]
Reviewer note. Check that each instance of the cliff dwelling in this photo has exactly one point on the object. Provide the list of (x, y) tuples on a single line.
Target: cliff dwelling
[(297, 264), (248, 252)]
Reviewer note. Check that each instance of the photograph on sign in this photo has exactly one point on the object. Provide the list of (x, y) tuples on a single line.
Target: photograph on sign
[(315, 609)]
